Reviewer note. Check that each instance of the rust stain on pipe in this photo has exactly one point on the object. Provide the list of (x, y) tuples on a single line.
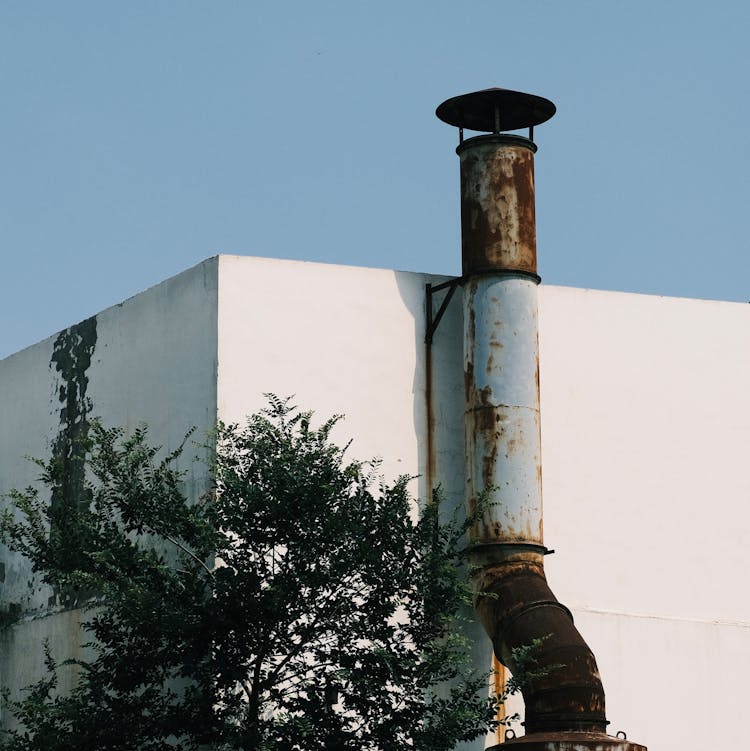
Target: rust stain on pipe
[(498, 222), (430, 419), (517, 607)]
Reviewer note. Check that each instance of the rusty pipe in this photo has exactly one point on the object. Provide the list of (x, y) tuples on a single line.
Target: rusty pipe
[(517, 608), (503, 442)]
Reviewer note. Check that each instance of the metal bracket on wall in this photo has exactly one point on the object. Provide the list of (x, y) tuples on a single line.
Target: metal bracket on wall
[(430, 289)]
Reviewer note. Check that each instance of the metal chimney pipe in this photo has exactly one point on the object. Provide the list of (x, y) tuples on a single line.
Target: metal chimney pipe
[(565, 708)]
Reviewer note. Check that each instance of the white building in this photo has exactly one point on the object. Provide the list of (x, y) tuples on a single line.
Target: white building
[(645, 434)]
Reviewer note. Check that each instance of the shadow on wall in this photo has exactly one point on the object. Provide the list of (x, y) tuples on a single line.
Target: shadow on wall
[(437, 387), (438, 414)]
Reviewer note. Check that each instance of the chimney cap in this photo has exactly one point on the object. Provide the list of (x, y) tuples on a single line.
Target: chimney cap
[(494, 110)]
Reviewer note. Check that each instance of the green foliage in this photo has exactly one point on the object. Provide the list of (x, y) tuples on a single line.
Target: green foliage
[(297, 606), (527, 667)]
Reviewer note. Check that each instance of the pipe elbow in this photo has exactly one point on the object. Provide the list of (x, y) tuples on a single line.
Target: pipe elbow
[(517, 609)]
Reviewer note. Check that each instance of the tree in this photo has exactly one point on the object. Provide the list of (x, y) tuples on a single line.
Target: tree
[(296, 606)]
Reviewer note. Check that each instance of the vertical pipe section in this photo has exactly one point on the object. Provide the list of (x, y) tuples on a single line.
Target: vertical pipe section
[(501, 367), (501, 352), (498, 221), (503, 442)]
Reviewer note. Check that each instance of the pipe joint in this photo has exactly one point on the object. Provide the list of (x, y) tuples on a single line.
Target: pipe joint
[(559, 679), (502, 273), (497, 139)]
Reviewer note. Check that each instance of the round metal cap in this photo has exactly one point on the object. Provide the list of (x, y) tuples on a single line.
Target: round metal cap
[(493, 110)]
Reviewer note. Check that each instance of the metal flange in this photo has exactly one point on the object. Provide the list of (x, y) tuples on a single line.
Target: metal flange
[(569, 741)]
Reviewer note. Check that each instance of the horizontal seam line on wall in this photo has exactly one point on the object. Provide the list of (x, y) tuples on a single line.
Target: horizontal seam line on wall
[(652, 616)]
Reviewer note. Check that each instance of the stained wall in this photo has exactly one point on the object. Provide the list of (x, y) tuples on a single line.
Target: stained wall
[(152, 359)]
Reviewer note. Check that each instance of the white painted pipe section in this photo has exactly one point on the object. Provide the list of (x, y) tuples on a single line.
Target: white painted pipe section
[(503, 443)]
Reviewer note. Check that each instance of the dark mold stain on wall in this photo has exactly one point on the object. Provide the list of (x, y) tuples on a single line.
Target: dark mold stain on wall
[(71, 358)]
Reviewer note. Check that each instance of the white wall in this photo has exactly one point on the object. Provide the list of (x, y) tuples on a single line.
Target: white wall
[(341, 340), (149, 359), (156, 363), (346, 340), (645, 438), (28, 407), (645, 425), (645, 430)]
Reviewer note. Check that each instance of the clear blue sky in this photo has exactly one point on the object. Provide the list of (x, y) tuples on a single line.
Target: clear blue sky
[(140, 137)]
